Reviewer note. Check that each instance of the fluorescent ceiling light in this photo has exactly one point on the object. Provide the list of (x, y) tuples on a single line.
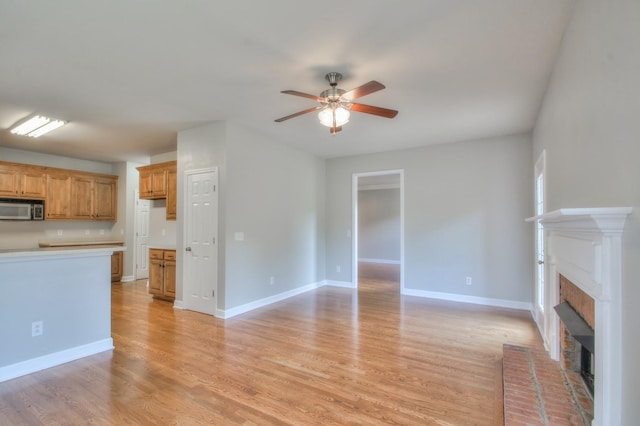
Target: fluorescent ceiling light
[(36, 126), (47, 128)]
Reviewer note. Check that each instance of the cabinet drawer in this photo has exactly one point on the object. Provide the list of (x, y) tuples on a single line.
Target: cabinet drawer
[(170, 255), (155, 254)]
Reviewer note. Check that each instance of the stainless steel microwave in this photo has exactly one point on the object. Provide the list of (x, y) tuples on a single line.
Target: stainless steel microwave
[(21, 210)]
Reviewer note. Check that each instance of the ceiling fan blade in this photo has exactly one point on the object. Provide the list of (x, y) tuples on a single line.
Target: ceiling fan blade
[(279, 120), (368, 109), (303, 95), (365, 89)]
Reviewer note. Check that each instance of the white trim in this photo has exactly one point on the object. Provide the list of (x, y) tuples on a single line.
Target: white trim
[(232, 312), (384, 261), (502, 303), (354, 222), (343, 284), (51, 360), (127, 279), (178, 304), (376, 187)]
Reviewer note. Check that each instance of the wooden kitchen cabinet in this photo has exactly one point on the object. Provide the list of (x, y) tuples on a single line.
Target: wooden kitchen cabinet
[(162, 273), (172, 192), (117, 266), (67, 194), (93, 198), (22, 181), (58, 200), (153, 180)]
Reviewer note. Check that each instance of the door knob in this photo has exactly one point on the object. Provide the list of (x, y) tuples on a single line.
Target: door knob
[(540, 262), (187, 249)]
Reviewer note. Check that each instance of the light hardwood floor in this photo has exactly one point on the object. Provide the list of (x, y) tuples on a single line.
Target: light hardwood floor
[(329, 356)]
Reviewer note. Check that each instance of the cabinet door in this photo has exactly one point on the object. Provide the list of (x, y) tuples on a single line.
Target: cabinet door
[(159, 182), (146, 185), (105, 202), (172, 187), (82, 198), (116, 266), (156, 276), (33, 184), (58, 201), (170, 275), (8, 182)]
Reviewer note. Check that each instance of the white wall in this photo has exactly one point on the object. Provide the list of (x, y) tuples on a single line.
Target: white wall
[(379, 224), (590, 129), (465, 205), (275, 195), (199, 148), (271, 193)]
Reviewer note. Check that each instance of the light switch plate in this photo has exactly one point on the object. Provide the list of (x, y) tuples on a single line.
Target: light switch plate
[(239, 236)]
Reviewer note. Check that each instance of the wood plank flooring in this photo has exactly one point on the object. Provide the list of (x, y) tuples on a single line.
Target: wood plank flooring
[(330, 356)]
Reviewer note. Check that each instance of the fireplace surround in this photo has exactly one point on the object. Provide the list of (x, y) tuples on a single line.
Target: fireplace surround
[(585, 246)]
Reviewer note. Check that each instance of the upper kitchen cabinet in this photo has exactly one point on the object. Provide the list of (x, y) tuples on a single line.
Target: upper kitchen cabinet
[(159, 181), (153, 180), (22, 181), (93, 197)]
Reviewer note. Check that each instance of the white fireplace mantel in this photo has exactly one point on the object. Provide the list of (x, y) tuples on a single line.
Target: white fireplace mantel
[(585, 246)]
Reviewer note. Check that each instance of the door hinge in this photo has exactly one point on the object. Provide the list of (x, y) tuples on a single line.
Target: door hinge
[(213, 293)]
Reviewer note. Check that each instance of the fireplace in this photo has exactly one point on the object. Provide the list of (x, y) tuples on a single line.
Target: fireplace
[(577, 343), (584, 247)]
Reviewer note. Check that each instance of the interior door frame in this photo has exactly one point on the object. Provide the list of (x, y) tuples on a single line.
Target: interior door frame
[(354, 221), (185, 207), (539, 311)]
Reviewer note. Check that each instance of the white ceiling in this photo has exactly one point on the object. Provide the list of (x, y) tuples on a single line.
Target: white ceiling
[(130, 74)]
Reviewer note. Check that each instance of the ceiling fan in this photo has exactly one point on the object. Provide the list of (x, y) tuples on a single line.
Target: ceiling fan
[(336, 104)]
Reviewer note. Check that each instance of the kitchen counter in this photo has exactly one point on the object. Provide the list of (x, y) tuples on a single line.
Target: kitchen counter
[(80, 242), (50, 252)]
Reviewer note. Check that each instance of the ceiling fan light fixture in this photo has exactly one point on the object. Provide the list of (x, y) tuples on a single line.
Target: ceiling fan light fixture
[(331, 117)]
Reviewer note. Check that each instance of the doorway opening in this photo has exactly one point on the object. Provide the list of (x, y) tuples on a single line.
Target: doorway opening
[(378, 227)]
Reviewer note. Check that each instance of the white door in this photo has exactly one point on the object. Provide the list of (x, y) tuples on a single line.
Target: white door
[(142, 237), (200, 284)]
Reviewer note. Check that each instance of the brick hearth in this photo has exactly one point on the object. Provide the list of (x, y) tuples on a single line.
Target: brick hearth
[(538, 392)]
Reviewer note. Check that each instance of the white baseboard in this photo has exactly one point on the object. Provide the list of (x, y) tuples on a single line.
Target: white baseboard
[(502, 303), (51, 360), (127, 279), (228, 313), (178, 304), (345, 284), (387, 262)]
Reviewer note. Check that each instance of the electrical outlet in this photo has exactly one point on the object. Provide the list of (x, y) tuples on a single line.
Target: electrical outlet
[(102, 232), (272, 280), (338, 268), (37, 328), (86, 232), (59, 231), (469, 280)]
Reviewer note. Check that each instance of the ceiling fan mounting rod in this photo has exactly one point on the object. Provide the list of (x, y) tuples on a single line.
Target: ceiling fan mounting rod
[(333, 78)]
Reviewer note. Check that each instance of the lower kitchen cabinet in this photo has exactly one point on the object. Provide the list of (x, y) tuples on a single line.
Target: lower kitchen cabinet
[(162, 273), (116, 266)]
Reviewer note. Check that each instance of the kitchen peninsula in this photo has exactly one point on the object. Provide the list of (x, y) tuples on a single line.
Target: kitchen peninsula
[(55, 306)]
